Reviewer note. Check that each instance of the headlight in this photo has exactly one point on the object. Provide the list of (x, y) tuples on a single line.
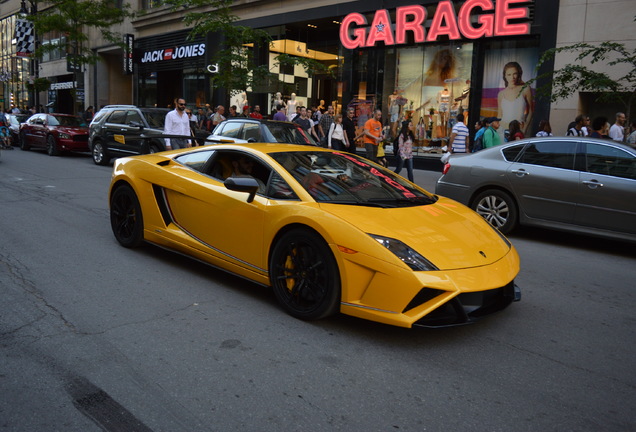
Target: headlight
[(64, 136), (411, 258)]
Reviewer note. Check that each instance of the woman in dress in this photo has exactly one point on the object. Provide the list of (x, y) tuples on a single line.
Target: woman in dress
[(514, 101), (405, 152), (336, 137)]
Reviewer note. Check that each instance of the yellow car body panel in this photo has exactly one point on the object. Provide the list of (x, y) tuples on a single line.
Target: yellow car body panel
[(218, 226)]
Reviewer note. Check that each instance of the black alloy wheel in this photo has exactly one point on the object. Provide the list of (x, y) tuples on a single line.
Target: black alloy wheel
[(51, 146), (126, 219), (304, 275), (498, 208)]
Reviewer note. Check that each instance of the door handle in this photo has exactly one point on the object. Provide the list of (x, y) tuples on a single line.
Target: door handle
[(520, 172), (592, 183)]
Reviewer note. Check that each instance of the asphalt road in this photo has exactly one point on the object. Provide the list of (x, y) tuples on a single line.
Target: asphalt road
[(97, 337)]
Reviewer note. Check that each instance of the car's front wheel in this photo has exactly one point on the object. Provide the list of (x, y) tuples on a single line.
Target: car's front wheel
[(51, 146), (99, 154), (126, 219), (24, 145), (498, 208), (304, 275)]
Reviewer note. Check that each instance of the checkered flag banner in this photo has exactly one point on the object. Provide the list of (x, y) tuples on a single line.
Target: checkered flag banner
[(24, 37)]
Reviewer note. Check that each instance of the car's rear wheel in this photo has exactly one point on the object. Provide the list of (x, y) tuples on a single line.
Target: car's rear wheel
[(100, 157), (23, 142), (154, 149), (304, 275), (51, 146), (126, 219), (498, 208)]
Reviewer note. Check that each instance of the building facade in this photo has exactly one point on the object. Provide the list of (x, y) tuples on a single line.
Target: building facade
[(421, 60)]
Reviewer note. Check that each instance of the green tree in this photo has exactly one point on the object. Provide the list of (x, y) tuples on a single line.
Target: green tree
[(239, 68), (71, 20), (600, 77)]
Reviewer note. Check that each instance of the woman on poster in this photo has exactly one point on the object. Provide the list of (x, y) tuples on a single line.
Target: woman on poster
[(515, 102)]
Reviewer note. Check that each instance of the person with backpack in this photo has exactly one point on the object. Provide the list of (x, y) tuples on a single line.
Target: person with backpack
[(491, 138), (478, 144)]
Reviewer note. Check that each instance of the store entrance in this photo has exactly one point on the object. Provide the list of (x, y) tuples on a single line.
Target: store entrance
[(169, 87)]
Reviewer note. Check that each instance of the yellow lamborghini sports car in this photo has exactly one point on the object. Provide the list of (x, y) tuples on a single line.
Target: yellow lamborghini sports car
[(328, 231)]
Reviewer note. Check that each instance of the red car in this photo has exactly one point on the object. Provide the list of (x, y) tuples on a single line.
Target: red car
[(55, 132)]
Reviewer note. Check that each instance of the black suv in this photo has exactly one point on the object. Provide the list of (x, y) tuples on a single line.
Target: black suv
[(116, 130), (248, 130)]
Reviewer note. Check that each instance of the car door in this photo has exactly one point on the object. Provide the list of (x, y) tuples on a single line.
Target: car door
[(607, 189), (218, 218), (115, 130), (132, 129), (544, 180)]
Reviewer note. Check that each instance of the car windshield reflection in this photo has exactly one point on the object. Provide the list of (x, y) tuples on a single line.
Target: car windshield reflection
[(339, 178)]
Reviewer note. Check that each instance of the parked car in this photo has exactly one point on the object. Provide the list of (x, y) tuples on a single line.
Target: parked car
[(54, 132), (248, 130), (567, 183), (119, 130), (328, 231), (14, 121)]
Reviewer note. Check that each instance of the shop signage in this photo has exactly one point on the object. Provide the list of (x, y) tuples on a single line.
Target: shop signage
[(504, 18), (129, 42), (175, 53), (63, 85)]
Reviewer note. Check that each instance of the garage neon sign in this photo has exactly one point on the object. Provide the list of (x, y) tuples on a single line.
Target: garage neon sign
[(500, 19)]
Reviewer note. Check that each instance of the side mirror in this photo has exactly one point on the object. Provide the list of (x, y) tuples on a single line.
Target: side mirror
[(251, 140), (242, 184)]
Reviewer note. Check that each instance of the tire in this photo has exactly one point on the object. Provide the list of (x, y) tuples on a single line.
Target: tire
[(100, 157), (51, 146), (498, 208), (304, 275), (23, 142), (153, 149), (126, 219)]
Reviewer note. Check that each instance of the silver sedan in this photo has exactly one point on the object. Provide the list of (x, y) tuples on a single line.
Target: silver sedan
[(568, 183)]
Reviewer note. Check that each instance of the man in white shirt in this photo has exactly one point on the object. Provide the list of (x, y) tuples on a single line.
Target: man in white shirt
[(616, 132), (459, 136), (177, 123)]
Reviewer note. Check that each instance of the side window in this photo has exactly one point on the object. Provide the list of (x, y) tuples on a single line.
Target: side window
[(118, 117), (279, 189), (251, 132), (196, 161), (555, 154), (133, 117), (610, 160), (239, 164), (230, 130), (511, 153)]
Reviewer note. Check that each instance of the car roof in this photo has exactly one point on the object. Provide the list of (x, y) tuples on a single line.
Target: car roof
[(602, 141), (253, 120)]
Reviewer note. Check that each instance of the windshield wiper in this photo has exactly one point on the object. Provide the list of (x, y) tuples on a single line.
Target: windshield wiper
[(422, 200), (358, 203)]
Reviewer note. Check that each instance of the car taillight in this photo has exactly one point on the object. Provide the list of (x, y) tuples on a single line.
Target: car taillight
[(446, 168)]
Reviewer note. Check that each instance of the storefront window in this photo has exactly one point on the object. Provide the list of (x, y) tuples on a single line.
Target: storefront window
[(428, 84), (507, 65)]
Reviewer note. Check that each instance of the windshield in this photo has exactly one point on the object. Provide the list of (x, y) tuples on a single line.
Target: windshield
[(341, 178), (156, 119), (287, 133), (71, 121)]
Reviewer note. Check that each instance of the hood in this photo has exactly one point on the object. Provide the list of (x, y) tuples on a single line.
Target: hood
[(447, 233), (73, 130)]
